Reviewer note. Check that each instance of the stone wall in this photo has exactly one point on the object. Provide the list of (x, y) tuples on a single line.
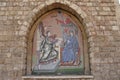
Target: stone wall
[(101, 26), (118, 24)]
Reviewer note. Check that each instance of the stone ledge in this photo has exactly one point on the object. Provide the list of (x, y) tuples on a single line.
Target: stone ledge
[(59, 77)]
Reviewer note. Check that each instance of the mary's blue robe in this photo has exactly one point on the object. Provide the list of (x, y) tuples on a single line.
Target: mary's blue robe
[(70, 49)]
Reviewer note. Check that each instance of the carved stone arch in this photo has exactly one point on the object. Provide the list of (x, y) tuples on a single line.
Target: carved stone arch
[(49, 5), (37, 12)]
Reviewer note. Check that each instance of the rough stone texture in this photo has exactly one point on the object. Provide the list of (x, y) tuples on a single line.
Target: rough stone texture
[(117, 60), (102, 21)]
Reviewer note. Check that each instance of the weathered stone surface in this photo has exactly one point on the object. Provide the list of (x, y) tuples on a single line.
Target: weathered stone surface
[(101, 20)]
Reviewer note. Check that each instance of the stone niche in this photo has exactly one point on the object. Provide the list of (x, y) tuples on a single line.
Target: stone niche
[(57, 47)]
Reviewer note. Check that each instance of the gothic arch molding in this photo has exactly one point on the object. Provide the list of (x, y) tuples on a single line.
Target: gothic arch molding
[(49, 5), (37, 12)]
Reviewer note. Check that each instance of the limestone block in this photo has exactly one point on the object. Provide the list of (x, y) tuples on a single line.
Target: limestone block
[(115, 27), (2, 60), (8, 55), (74, 6), (49, 2), (106, 8), (2, 3), (22, 33), (67, 2)]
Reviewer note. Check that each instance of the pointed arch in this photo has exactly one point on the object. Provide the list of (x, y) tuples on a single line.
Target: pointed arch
[(47, 6), (37, 12)]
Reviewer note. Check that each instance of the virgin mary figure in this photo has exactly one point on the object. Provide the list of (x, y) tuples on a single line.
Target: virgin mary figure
[(71, 48)]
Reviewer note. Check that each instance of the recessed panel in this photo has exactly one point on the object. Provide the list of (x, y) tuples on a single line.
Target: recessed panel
[(57, 45)]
